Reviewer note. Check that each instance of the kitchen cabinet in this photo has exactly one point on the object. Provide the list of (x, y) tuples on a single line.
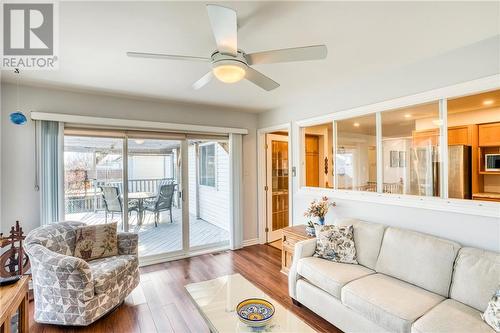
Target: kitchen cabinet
[(489, 135), (459, 135)]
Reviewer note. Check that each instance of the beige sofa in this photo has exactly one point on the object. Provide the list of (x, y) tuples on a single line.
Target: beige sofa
[(405, 282)]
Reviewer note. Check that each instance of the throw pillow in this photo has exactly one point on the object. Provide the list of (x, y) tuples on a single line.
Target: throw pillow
[(492, 314), (96, 241), (336, 243)]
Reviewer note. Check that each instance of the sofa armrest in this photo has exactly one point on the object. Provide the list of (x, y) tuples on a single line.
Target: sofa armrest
[(302, 249), (58, 275), (128, 243)]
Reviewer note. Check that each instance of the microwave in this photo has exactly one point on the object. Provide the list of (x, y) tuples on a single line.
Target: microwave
[(492, 162)]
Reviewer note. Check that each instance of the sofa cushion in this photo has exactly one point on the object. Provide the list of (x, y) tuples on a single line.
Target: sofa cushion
[(388, 302), (335, 243), (328, 275), (451, 316), (476, 277), (367, 240), (109, 271), (417, 258)]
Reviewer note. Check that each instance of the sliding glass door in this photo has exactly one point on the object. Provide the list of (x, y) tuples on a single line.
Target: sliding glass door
[(93, 179), (154, 187), (172, 190)]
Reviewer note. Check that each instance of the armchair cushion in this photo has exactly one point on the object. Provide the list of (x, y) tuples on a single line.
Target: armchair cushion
[(110, 271), (57, 274), (96, 241)]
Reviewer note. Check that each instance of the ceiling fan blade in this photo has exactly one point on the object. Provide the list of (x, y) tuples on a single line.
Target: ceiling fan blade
[(260, 79), (313, 52), (165, 56), (225, 28), (203, 81)]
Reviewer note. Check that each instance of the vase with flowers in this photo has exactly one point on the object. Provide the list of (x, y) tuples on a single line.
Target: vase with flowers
[(319, 208)]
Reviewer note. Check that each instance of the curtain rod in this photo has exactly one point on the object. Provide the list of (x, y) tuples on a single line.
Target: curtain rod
[(133, 124)]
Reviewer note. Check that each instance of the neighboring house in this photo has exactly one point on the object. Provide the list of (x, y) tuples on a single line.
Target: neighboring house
[(209, 183)]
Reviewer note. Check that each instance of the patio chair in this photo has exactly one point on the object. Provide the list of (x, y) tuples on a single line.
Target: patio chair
[(162, 202), (113, 202)]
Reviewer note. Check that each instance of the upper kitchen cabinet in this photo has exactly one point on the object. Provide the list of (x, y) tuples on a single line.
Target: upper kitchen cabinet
[(462, 135), (489, 134)]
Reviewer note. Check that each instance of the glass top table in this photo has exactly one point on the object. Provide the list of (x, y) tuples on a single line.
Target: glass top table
[(217, 299)]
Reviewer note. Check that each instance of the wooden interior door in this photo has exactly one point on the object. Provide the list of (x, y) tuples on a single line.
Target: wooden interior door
[(277, 164), (312, 160)]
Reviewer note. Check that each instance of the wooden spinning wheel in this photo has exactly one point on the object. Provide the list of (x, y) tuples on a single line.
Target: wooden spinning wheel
[(14, 260)]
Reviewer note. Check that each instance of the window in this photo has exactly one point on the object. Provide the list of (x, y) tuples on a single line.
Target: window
[(317, 159), (405, 150), (356, 154), (207, 165), (410, 150), (474, 146)]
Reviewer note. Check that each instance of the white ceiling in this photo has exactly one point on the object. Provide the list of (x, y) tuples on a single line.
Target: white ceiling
[(363, 38)]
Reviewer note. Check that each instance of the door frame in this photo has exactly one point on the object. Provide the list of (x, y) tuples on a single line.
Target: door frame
[(262, 179), (271, 235)]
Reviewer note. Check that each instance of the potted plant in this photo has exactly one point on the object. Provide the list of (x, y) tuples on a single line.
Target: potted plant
[(319, 208)]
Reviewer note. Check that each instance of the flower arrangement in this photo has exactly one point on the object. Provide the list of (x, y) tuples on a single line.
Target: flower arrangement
[(319, 208)]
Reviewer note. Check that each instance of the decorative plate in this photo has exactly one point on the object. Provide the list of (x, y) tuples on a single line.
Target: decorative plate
[(255, 312)]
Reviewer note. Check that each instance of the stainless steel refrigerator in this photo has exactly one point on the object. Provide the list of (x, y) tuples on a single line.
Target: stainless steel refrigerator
[(424, 173)]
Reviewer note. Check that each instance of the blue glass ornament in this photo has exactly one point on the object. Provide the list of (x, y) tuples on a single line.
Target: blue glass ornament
[(18, 118)]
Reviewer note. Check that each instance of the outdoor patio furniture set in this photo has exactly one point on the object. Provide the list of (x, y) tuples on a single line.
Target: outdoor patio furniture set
[(139, 202)]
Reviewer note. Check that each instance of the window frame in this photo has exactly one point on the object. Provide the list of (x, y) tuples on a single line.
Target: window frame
[(204, 145), (442, 203)]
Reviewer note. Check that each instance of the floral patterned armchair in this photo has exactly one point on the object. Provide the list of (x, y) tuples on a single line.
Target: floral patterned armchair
[(70, 290)]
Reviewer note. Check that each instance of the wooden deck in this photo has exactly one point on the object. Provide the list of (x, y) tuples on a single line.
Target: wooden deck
[(167, 237)]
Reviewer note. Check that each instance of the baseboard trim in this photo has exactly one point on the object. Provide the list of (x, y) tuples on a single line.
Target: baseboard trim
[(161, 258), (250, 242)]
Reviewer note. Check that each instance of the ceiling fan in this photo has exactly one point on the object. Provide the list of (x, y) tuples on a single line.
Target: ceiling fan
[(230, 64)]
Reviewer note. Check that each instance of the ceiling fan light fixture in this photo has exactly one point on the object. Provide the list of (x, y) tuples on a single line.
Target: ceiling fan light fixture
[(229, 72)]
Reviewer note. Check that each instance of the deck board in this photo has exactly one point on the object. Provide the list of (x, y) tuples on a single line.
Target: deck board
[(167, 236)]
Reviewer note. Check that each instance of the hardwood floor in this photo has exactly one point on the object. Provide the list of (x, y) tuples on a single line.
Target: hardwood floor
[(161, 304)]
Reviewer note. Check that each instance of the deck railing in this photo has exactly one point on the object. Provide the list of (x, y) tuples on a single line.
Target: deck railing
[(85, 196)]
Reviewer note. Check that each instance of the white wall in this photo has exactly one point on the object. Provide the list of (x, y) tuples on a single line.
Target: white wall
[(19, 199), (394, 175), (149, 167), (470, 62)]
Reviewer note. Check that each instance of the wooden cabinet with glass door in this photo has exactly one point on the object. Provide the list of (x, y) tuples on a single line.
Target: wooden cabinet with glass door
[(277, 174)]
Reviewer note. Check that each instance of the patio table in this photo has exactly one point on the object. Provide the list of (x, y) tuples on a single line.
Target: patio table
[(140, 197)]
